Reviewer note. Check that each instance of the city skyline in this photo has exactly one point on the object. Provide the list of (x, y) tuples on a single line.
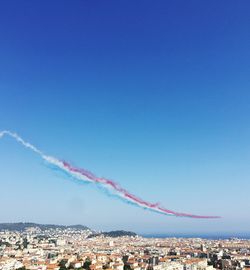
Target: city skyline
[(59, 248)]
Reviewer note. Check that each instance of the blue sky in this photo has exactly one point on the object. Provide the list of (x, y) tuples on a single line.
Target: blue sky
[(153, 94)]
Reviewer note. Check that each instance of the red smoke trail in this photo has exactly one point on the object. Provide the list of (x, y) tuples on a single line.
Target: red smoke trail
[(128, 195), (84, 175)]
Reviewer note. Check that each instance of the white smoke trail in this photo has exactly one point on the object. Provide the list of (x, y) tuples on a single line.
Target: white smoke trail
[(49, 159), (54, 161), (86, 176)]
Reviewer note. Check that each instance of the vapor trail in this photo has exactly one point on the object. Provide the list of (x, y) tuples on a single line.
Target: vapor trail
[(109, 185)]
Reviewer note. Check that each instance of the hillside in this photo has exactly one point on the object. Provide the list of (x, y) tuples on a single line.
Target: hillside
[(113, 234), (20, 226)]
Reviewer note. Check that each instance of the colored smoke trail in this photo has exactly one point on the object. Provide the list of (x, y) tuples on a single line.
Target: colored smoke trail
[(109, 185)]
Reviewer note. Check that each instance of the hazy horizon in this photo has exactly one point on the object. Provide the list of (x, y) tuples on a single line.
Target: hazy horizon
[(209, 235)]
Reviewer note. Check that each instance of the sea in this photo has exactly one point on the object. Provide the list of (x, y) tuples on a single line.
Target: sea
[(221, 236)]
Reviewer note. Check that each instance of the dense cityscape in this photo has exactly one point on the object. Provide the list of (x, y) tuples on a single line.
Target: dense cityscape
[(61, 248)]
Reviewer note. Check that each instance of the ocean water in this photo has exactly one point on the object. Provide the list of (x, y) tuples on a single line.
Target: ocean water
[(204, 236)]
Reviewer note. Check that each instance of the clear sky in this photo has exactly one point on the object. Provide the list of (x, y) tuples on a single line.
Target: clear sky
[(152, 94)]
